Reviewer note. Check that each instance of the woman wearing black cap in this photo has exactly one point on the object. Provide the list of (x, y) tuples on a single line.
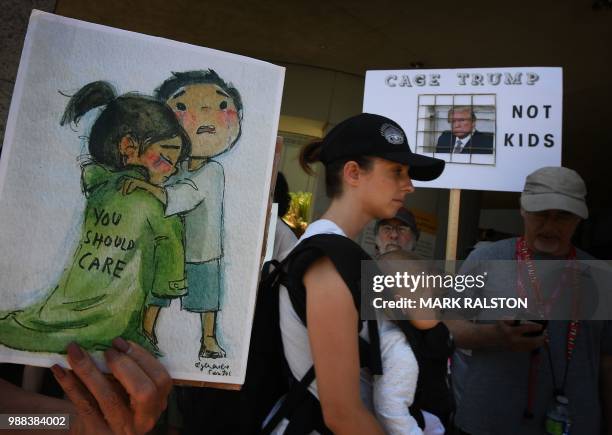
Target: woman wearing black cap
[(369, 169)]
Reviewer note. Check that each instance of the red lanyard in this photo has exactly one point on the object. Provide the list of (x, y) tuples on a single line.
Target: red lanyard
[(524, 255)]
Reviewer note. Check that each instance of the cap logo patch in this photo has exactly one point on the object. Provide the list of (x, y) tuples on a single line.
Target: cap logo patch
[(392, 134)]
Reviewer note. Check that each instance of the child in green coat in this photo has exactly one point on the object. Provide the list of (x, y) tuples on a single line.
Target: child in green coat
[(128, 248)]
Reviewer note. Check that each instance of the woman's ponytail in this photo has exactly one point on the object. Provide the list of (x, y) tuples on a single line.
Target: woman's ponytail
[(310, 153)]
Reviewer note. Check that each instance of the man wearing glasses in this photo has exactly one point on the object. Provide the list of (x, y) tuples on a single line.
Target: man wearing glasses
[(398, 233)]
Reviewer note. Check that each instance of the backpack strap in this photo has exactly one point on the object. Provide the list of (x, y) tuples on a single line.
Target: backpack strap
[(292, 400), (299, 397), (345, 254), (266, 377)]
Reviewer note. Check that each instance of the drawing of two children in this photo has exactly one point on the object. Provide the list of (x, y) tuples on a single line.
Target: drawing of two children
[(151, 168)]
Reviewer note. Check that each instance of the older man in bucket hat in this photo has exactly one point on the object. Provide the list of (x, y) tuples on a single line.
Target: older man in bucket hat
[(511, 378)]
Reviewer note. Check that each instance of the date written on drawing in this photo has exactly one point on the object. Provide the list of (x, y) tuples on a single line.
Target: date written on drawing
[(216, 369)]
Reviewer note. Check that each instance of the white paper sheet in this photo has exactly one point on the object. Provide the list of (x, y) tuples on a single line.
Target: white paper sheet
[(518, 120), (42, 204)]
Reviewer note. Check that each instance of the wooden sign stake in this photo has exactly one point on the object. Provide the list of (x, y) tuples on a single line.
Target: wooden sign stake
[(452, 232)]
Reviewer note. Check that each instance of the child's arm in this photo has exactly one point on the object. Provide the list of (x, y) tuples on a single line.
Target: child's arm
[(131, 184), (206, 183), (185, 194)]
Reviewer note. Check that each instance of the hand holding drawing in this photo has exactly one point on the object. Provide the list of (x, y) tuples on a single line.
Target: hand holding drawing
[(97, 404), (131, 405), (129, 185), (400, 261)]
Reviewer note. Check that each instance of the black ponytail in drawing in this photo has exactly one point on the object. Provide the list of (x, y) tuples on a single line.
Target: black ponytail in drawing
[(89, 97), (144, 119)]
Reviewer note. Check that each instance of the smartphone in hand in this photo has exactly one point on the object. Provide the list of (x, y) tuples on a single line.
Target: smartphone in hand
[(542, 322)]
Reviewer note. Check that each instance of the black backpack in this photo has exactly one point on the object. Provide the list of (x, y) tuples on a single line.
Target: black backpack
[(268, 376)]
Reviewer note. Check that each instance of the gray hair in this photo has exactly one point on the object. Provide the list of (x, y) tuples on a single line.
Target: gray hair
[(461, 109)]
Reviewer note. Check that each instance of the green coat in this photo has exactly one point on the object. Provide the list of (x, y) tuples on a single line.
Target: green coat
[(127, 249)]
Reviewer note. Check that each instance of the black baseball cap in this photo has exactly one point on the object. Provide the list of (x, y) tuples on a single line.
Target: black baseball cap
[(367, 134)]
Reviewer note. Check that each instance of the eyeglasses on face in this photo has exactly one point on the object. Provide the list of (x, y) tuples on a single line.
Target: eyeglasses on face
[(387, 229)]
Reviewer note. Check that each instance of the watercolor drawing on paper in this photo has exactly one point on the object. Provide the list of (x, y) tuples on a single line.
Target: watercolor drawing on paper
[(125, 198)]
